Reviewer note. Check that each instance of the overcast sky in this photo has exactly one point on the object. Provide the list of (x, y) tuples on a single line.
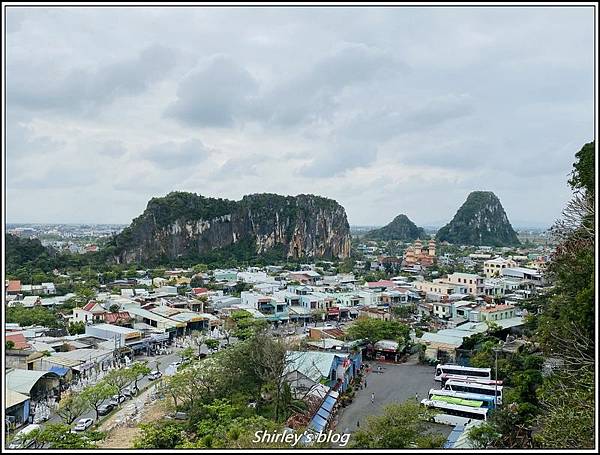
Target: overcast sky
[(386, 110)]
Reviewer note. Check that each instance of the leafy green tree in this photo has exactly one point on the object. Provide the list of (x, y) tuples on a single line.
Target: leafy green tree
[(94, 395), (60, 436), (71, 408), (402, 426), (245, 325), (212, 344), (119, 379), (187, 354), (583, 176), (76, 327), (377, 329), (9, 344), (138, 371), (29, 316), (404, 311)]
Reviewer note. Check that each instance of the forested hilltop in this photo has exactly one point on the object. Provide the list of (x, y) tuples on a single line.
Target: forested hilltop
[(400, 228), (186, 225), (481, 220)]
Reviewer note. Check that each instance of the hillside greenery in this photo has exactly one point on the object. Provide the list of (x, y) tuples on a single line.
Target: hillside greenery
[(400, 228), (555, 410), (481, 220)]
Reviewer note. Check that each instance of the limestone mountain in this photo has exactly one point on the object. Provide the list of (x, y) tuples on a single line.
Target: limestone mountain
[(186, 225), (481, 220), (401, 228)]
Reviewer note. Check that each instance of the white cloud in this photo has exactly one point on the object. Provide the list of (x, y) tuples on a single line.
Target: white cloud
[(387, 110)]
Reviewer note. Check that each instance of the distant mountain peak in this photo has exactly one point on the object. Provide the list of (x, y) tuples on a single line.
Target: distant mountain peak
[(401, 228), (481, 220)]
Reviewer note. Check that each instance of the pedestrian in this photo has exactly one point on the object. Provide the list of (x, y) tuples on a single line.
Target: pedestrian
[(358, 424), (373, 398), (365, 383), (417, 396)]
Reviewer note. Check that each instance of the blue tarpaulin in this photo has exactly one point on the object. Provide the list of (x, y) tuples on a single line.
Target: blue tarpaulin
[(328, 404), (61, 371), (318, 423), (453, 436), (323, 413)]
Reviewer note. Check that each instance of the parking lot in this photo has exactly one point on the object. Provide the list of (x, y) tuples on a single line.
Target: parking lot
[(396, 384)]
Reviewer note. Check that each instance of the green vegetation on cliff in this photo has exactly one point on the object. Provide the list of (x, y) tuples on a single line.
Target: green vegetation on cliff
[(401, 228), (481, 220), (187, 226)]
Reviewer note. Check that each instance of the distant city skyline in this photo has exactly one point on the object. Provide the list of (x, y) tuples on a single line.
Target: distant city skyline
[(386, 110)]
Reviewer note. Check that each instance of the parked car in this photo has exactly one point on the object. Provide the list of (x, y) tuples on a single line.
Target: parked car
[(83, 424), (129, 392), (116, 400), (105, 409), (154, 375)]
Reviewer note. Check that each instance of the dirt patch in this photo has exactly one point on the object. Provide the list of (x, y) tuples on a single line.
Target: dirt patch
[(122, 427)]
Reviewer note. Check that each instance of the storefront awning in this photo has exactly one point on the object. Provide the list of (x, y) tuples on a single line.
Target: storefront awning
[(61, 371)]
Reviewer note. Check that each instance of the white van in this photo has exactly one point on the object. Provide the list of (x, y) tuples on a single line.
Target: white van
[(21, 441)]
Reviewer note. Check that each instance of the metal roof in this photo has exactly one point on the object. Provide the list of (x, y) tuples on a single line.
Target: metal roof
[(23, 381), (14, 398)]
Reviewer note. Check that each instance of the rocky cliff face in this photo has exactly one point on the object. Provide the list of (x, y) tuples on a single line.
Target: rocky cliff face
[(401, 228), (481, 220), (188, 225)]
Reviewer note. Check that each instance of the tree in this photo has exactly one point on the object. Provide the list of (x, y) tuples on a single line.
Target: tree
[(9, 344), (96, 394), (404, 311), (160, 435), (138, 371), (119, 379), (76, 327), (71, 408), (60, 436), (212, 344), (187, 354), (244, 325), (402, 426), (377, 329)]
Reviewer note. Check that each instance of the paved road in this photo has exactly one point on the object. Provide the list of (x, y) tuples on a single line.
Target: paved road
[(397, 383), (162, 362)]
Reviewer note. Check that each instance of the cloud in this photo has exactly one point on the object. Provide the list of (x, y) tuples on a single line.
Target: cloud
[(387, 110), (213, 95), (48, 86), (175, 155)]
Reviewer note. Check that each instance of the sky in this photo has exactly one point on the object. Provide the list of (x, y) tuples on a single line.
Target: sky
[(386, 110)]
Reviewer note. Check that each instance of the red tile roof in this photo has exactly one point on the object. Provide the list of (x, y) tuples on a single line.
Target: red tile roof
[(111, 318), (197, 291), (13, 286), (88, 306), (19, 340), (381, 284)]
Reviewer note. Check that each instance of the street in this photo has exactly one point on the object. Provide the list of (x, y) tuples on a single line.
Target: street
[(397, 384)]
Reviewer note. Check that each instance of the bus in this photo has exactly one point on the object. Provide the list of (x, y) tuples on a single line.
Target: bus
[(458, 370), (455, 414), (475, 387), (455, 377), (488, 401)]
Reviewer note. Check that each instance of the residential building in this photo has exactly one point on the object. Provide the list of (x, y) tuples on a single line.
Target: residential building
[(473, 282), (493, 267)]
